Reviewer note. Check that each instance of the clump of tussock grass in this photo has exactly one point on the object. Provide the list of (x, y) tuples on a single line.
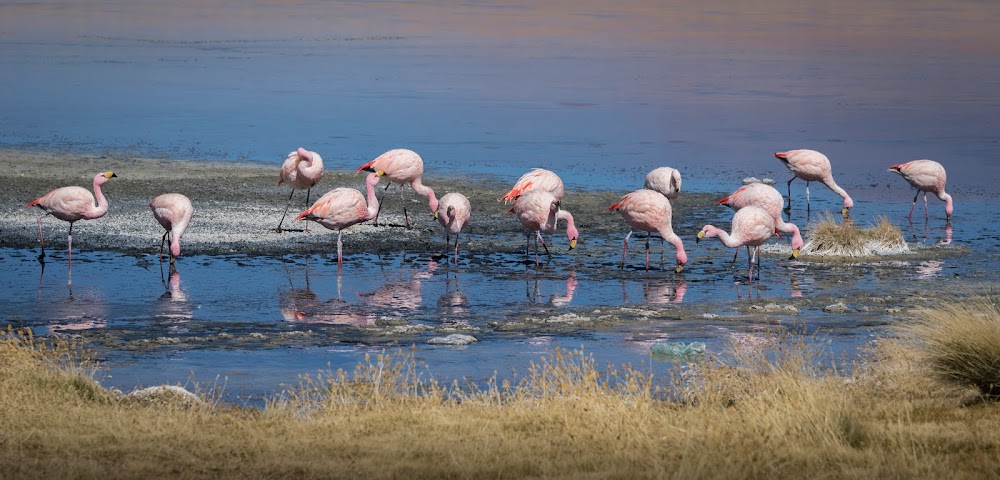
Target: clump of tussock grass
[(829, 238), (960, 342)]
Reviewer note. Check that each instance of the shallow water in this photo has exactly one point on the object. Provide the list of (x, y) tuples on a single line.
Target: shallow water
[(599, 94)]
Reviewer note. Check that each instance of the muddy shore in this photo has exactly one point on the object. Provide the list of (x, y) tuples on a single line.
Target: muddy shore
[(238, 206)]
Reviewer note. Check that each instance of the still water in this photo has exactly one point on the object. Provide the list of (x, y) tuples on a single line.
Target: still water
[(599, 93)]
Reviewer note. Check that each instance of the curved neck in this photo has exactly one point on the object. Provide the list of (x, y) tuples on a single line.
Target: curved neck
[(102, 203), (372, 198), (175, 237), (791, 228), (571, 231), (674, 240), (422, 189), (726, 239), (848, 202), (948, 206), (310, 164)]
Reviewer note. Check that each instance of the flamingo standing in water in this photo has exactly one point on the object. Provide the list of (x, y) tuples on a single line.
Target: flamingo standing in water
[(770, 199), (173, 211), (752, 226), (812, 166), (649, 211), (665, 180), (71, 204), (453, 213), (537, 178), (926, 176), (301, 170), (402, 166), (342, 207), (539, 212)]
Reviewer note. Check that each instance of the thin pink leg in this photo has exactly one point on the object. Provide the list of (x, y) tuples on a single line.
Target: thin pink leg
[(340, 251), (910, 216), (625, 248), (70, 249), (647, 252), (40, 240), (927, 215)]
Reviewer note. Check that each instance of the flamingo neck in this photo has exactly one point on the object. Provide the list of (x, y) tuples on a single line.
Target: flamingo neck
[(102, 203), (175, 236), (422, 189), (674, 240), (793, 229), (372, 198), (310, 166), (848, 202), (948, 206), (727, 239), (571, 232)]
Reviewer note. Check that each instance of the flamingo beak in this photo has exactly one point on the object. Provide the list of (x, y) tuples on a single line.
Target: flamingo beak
[(680, 268), (380, 173), (109, 174), (795, 254), (701, 235), (572, 244), (435, 215), (844, 212)]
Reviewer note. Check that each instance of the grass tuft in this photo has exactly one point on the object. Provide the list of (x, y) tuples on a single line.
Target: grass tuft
[(844, 239)]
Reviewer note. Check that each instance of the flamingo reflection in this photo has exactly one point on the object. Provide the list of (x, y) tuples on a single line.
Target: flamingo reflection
[(173, 305), (453, 306), (401, 297), (554, 300), (75, 312), (302, 305), (663, 291)]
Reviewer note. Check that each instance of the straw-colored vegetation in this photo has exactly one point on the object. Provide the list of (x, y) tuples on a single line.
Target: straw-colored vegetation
[(844, 239), (771, 413)]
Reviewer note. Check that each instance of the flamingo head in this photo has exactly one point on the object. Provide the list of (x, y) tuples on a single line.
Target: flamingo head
[(675, 180), (682, 259), (572, 234), (708, 231), (304, 154), (100, 178)]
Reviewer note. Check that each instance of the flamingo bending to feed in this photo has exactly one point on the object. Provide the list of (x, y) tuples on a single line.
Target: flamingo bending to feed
[(539, 212), (453, 213), (301, 170), (752, 226), (71, 204), (173, 211), (342, 207), (665, 180), (649, 211), (770, 199), (926, 176), (537, 178), (812, 166), (402, 166)]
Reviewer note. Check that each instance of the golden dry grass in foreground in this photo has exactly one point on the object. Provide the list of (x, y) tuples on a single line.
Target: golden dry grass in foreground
[(769, 416), (844, 239)]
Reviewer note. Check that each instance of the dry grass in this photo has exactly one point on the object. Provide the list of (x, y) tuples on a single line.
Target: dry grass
[(845, 239), (772, 413)]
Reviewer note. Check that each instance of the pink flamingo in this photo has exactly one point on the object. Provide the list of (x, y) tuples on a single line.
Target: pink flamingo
[(173, 211), (402, 166), (752, 226), (342, 207), (812, 166), (770, 199), (453, 213), (537, 178), (71, 204), (925, 176), (665, 180), (649, 211), (301, 170), (539, 212)]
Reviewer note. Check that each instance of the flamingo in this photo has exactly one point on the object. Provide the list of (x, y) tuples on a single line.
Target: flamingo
[(649, 211), (537, 178), (301, 170), (812, 166), (770, 199), (342, 207), (71, 204), (539, 212), (402, 166), (665, 180), (752, 226), (926, 176), (453, 213), (173, 211)]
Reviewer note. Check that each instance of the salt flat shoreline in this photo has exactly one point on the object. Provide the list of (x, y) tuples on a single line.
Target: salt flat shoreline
[(238, 205)]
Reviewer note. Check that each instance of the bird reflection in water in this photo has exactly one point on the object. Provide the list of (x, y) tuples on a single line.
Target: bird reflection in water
[(928, 269), (400, 298), (453, 306), (304, 306), (173, 305), (664, 291), (946, 240), (534, 296), (75, 312)]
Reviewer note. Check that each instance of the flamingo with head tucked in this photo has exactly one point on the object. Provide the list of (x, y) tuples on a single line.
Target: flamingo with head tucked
[(665, 180), (812, 166), (539, 212), (71, 204), (342, 207), (752, 226), (770, 199), (537, 178), (926, 176), (301, 170), (453, 213), (173, 211), (402, 166), (649, 211)]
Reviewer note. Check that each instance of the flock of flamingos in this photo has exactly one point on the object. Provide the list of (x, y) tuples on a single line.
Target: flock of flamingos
[(536, 197)]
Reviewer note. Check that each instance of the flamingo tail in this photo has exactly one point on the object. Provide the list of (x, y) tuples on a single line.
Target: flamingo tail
[(367, 166), (515, 192), (616, 205), (723, 201), (34, 202)]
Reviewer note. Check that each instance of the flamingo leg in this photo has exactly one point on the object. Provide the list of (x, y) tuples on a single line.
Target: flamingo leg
[(40, 241), (910, 216), (647, 252), (340, 251), (308, 193), (540, 239), (287, 204), (69, 249), (456, 247), (625, 248), (752, 256), (789, 207), (807, 196), (403, 201), (162, 241), (927, 215)]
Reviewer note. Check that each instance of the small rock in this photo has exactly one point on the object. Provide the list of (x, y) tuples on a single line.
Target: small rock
[(257, 335), (453, 339), (774, 307), (709, 315), (164, 394), (893, 310), (749, 180), (838, 307)]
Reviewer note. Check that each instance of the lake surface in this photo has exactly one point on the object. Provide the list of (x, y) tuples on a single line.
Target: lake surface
[(598, 93)]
